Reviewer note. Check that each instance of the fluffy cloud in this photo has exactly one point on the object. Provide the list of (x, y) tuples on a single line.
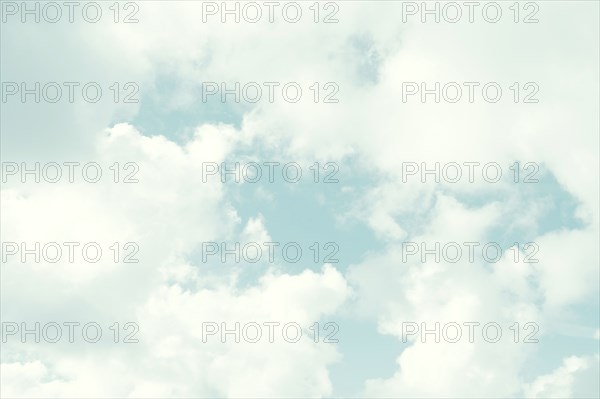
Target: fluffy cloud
[(562, 382), (370, 132), (168, 214)]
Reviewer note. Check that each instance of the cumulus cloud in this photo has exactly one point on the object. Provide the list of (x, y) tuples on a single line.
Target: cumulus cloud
[(372, 134)]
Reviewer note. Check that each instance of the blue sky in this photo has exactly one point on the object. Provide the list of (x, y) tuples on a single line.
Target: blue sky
[(370, 135)]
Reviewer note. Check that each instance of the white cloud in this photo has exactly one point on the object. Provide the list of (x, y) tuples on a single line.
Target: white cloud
[(171, 212), (562, 381)]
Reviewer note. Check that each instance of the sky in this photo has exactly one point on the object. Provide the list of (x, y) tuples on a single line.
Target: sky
[(375, 199)]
